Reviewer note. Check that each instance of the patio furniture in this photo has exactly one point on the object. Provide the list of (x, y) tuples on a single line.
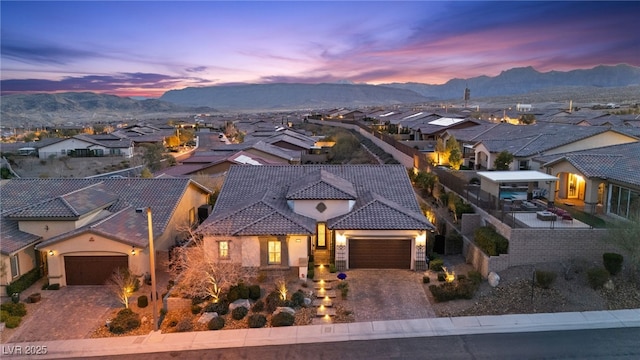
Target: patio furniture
[(529, 205), (545, 216), (567, 217)]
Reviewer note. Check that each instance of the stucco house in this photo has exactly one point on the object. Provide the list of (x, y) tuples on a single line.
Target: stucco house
[(79, 230), (606, 179), (361, 216), (88, 145)]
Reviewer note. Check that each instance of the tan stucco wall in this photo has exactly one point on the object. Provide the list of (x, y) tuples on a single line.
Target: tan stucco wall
[(297, 248), (605, 139), (48, 228), (26, 263), (176, 229), (334, 208), (83, 245)]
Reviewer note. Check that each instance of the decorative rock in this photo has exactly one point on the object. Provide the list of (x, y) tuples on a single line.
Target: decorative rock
[(206, 317), (144, 320), (307, 301), (609, 285), (284, 309), (240, 303), (494, 279)]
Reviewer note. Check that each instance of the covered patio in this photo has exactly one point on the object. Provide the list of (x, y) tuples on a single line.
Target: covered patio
[(518, 185)]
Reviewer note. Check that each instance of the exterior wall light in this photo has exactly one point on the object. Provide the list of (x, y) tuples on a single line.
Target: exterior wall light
[(50, 252)]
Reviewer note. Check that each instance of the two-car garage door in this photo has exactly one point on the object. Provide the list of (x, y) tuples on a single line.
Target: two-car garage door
[(92, 270), (380, 253)]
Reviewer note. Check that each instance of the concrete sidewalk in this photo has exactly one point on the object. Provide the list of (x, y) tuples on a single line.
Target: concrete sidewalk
[(157, 342)]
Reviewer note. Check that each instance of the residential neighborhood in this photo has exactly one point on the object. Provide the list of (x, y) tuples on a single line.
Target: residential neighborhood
[(265, 201)]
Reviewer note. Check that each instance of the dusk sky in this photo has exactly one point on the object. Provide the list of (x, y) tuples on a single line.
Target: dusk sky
[(145, 48)]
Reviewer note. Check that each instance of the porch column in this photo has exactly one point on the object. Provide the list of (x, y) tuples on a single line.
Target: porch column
[(341, 251), (590, 196)]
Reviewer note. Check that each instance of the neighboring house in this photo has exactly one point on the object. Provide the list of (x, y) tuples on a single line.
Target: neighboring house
[(88, 146), (606, 179), (216, 164), (363, 216), (527, 141), (79, 230)]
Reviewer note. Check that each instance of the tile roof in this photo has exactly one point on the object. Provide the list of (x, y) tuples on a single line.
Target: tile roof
[(253, 199), (68, 198), (12, 238), (372, 211), (321, 185), (619, 163)]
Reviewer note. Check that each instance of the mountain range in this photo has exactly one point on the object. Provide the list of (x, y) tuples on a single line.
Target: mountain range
[(63, 107)]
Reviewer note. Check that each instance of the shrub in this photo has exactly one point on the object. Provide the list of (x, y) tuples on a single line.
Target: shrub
[(216, 323), (239, 313), (441, 276), (597, 277), (221, 307), (282, 319), (54, 287), (143, 301), (258, 306), (257, 321), (126, 320), (310, 273), (462, 277), (490, 242), (426, 279), (195, 309), (344, 289), (436, 264), (255, 292), (12, 322), (332, 268), (464, 289), (4, 315), (297, 298), (24, 282), (13, 309), (544, 279), (184, 325), (44, 286), (475, 277), (612, 262), (273, 301)]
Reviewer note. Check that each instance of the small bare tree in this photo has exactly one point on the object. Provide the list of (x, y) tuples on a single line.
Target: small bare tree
[(123, 283), (200, 273)]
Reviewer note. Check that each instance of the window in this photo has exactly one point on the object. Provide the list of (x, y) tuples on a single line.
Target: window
[(274, 252), (63, 152), (223, 250), (624, 202), (523, 165), (15, 266)]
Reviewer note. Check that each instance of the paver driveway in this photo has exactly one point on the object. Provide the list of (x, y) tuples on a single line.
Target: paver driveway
[(387, 294), (72, 312)]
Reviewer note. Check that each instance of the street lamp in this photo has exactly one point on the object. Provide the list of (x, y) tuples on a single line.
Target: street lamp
[(152, 261)]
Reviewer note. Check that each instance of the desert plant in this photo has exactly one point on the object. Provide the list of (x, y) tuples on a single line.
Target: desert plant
[(255, 292), (195, 309), (258, 306), (297, 298), (612, 262), (4, 315), (344, 289), (436, 264), (126, 320), (12, 322), (220, 307), (143, 301), (441, 276), (310, 274), (216, 323), (272, 301), (14, 309), (426, 279), (24, 281), (282, 319), (239, 313), (475, 277), (257, 321), (184, 325), (544, 279), (332, 268), (597, 277)]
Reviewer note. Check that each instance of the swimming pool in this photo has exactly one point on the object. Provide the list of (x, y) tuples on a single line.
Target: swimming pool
[(513, 195)]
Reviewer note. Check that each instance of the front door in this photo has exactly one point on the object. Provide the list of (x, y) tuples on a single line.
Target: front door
[(321, 238)]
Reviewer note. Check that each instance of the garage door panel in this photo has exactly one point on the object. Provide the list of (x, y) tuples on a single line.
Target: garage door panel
[(92, 270), (380, 254)]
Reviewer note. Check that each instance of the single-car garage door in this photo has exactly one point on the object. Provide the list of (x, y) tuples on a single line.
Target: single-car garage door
[(92, 270), (379, 254)]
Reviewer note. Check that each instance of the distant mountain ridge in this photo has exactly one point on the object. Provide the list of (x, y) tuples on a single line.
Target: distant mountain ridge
[(290, 96), (523, 80)]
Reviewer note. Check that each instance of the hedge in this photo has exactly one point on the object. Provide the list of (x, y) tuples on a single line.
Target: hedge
[(24, 282), (490, 242)]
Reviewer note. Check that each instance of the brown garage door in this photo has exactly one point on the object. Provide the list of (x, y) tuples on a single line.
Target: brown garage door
[(379, 254), (92, 270)]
